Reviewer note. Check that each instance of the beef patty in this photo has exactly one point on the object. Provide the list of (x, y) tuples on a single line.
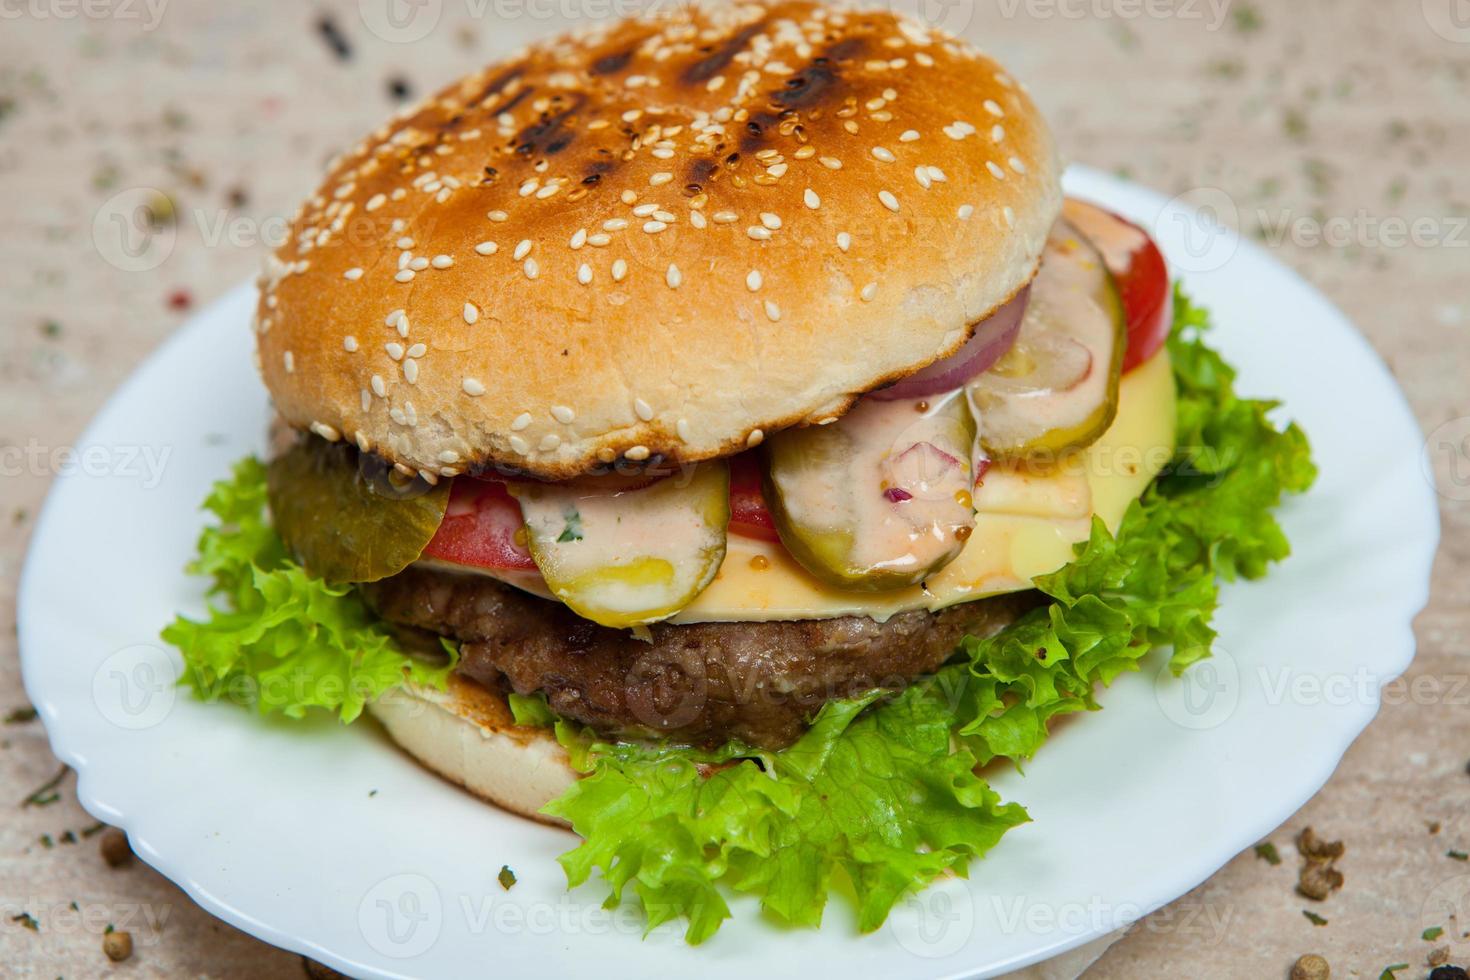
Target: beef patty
[(703, 682)]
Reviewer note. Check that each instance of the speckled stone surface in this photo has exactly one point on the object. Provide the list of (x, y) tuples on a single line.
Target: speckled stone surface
[(1351, 118)]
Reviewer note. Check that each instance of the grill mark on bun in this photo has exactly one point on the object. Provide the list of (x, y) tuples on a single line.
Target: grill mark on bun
[(719, 59), (611, 64), (497, 84), (549, 136)]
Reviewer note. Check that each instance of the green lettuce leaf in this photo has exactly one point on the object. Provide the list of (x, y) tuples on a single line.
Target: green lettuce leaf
[(282, 641), (883, 789), (881, 795)]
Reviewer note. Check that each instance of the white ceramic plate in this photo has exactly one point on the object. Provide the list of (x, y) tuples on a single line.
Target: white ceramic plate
[(325, 840)]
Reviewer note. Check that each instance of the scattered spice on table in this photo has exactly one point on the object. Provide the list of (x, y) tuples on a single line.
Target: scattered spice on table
[(19, 716), (180, 300), (27, 920), (1438, 956), (50, 329), (336, 41), (1389, 971), (1314, 918), (1318, 877), (399, 88), (45, 794), (114, 848), (117, 945), (1267, 852), (1311, 967), (507, 877), (1457, 855), (1433, 933)]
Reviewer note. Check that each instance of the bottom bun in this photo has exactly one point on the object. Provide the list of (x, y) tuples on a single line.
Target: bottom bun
[(466, 734)]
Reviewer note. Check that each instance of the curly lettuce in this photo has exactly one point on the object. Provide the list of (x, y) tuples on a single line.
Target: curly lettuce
[(282, 641), (882, 792)]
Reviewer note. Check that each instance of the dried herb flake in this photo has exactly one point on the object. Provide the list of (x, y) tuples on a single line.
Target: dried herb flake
[(1267, 852), (1314, 918), (507, 877)]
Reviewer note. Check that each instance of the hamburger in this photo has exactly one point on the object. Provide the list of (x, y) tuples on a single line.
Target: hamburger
[(674, 399)]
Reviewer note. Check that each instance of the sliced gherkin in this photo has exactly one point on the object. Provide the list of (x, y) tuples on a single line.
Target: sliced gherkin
[(345, 517), (628, 557), (1056, 389), (880, 498)]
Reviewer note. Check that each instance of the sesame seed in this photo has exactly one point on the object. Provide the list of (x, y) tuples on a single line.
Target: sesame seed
[(725, 217), (959, 129), (921, 174), (394, 350), (697, 219), (349, 343), (889, 201), (365, 398), (497, 216), (811, 199), (522, 250), (352, 275), (995, 170), (637, 453), (379, 388), (376, 201), (471, 314), (325, 431), (548, 191), (910, 136), (645, 210), (599, 240), (419, 264), (660, 179), (771, 221), (844, 241), (754, 280), (778, 170), (994, 109), (869, 291), (584, 274), (520, 445), (579, 238), (884, 154), (442, 262), (966, 211), (529, 187), (755, 438), (682, 427), (619, 270), (1009, 215), (411, 371), (405, 242), (521, 421), (616, 224), (665, 216), (288, 361), (449, 456), (643, 409), (532, 269), (417, 350), (758, 233), (773, 312), (405, 275), (629, 196), (487, 248), (654, 227), (1017, 165), (997, 133), (563, 414), (472, 387), (832, 163), (674, 277)]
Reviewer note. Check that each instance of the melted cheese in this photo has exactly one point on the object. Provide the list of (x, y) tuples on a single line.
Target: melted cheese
[(1026, 525)]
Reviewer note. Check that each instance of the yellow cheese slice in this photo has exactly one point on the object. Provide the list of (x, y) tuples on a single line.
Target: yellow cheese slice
[(1026, 525)]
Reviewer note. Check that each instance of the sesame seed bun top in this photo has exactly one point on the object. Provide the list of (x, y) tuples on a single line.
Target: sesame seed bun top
[(662, 239)]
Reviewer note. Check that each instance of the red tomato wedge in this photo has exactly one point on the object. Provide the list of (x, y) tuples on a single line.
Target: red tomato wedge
[(1138, 268), (480, 527), (749, 516)]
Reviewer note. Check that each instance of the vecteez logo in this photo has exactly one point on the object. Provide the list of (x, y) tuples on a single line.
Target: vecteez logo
[(1201, 222), (1450, 19), (401, 916), (1204, 696), (400, 21), (136, 687)]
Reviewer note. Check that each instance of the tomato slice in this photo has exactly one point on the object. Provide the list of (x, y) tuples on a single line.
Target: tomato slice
[(749, 516), (1139, 269), (480, 528)]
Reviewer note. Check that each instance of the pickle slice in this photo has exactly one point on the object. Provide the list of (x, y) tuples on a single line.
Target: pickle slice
[(345, 517), (1056, 389), (880, 498), (628, 557)]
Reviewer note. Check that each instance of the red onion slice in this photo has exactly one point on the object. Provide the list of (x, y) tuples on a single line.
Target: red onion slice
[(993, 337)]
